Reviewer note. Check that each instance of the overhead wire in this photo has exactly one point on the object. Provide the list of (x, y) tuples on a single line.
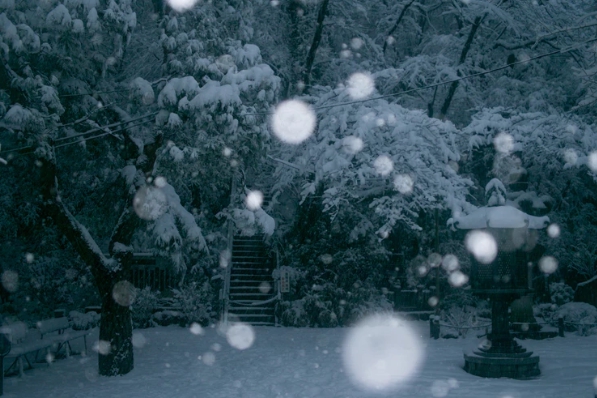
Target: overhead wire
[(509, 65), (93, 130), (434, 85), (99, 135)]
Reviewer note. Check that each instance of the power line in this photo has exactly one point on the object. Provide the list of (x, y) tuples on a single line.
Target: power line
[(96, 129), (509, 65), (105, 127), (564, 51), (99, 135), (23, 150), (487, 72)]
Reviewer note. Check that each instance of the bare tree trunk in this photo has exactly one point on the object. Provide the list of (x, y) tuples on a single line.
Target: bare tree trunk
[(316, 41), (465, 49), (116, 328), (116, 332)]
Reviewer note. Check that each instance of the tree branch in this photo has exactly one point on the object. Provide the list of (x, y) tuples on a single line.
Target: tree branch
[(316, 41), (123, 232), (461, 60), (539, 39), (68, 225), (385, 43)]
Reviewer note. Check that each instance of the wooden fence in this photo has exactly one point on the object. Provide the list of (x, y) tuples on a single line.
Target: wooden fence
[(147, 271)]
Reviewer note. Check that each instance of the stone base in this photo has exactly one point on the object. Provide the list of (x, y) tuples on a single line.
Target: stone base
[(514, 366)]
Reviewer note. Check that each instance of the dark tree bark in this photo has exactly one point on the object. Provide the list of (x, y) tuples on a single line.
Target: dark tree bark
[(465, 50), (316, 41), (295, 11), (385, 43), (116, 348)]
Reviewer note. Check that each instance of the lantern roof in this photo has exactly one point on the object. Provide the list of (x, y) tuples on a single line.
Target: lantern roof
[(506, 217)]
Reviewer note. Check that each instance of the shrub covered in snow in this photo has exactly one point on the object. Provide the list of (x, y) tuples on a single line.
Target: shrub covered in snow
[(579, 317), (195, 300), (561, 293), (80, 321), (336, 278), (146, 301), (546, 311), (169, 317)]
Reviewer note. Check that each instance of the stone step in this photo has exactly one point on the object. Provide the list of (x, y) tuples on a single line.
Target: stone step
[(250, 297), (261, 296), (253, 274), (250, 310), (257, 321), (247, 257), (252, 268), (249, 279), (258, 316), (249, 290)]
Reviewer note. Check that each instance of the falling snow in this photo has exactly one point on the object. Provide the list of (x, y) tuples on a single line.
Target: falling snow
[(504, 143), (160, 182), (102, 347), (548, 264), (10, 281), (450, 263), (360, 86), (196, 329), (404, 183), (553, 231), (352, 144), (209, 358), (150, 203), (182, 5), (240, 336), (124, 293), (383, 165), (481, 245), (592, 161), (382, 353), (457, 279), (254, 200), (356, 43), (293, 121), (139, 340), (282, 361)]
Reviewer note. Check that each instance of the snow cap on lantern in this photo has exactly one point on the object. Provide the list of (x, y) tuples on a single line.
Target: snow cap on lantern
[(500, 239), (497, 214)]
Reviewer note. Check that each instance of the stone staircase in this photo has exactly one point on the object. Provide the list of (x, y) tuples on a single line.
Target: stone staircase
[(252, 296)]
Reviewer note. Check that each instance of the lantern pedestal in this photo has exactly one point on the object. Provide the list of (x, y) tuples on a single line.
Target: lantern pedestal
[(501, 278), (508, 365), (500, 355)]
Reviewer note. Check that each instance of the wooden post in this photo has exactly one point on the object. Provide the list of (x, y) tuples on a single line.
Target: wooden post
[(434, 327), (561, 327)]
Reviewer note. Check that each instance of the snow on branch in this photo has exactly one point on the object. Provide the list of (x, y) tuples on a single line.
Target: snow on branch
[(85, 241)]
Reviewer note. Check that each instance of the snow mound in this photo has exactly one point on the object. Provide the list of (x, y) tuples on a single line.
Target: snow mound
[(581, 317)]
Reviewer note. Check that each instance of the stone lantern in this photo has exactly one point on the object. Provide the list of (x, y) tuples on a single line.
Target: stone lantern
[(500, 276)]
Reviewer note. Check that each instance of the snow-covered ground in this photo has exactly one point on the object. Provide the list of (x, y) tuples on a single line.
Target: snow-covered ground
[(288, 362)]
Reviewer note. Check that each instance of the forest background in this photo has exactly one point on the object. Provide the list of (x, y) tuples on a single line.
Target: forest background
[(101, 100)]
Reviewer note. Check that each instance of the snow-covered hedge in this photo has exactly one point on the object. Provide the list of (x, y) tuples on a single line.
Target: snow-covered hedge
[(579, 317), (145, 303)]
